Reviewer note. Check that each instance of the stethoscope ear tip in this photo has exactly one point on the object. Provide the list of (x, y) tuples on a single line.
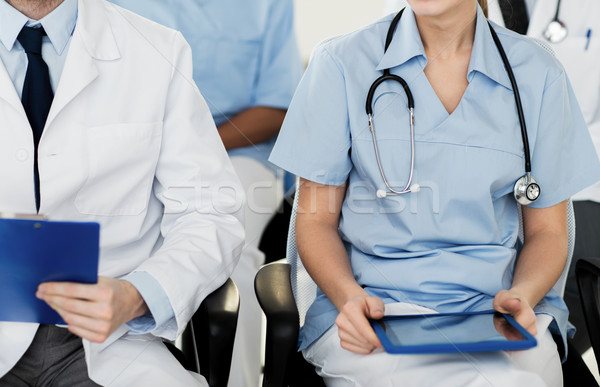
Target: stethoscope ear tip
[(381, 193), (415, 188)]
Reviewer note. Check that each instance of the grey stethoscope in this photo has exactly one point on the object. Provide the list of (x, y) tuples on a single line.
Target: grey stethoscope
[(556, 31), (526, 189)]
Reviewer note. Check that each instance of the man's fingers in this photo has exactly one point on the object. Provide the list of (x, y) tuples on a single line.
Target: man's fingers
[(85, 327), (80, 307), (87, 334), (71, 290)]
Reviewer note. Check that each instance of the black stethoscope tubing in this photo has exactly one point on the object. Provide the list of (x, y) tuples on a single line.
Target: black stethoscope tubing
[(527, 179), (557, 12), (520, 113), (386, 72)]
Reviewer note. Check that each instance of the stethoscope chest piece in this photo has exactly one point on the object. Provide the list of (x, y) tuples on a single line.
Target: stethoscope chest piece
[(556, 31), (527, 190)]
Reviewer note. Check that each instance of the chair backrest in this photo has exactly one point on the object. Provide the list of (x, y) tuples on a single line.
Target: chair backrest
[(305, 289)]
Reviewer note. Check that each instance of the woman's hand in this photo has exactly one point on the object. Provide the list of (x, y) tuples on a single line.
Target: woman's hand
[(94, 311), (512, 303), (354, 329)]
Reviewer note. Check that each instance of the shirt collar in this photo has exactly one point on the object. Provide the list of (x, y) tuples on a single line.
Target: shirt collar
[(485, 58), (58, 24), (406, 43)]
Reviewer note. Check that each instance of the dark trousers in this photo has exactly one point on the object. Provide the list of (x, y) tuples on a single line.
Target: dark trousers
[(587, 244), (55, 358)]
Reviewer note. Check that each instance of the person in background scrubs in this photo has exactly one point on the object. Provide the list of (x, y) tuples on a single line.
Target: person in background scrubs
[(579, 53), (451, 245), (247, 66)]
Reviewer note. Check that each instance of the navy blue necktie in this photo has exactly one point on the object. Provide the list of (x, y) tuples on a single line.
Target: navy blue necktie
[(514, 13), (37, 92)]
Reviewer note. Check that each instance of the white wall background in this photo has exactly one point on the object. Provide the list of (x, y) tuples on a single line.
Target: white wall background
[(320, 19)]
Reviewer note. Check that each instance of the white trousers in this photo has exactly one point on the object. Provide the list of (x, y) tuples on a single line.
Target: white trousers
[(264, 194), (539, 366)]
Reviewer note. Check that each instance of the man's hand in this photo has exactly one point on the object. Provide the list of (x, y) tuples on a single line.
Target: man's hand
[(95, 311), (510, 302), (355, 332)]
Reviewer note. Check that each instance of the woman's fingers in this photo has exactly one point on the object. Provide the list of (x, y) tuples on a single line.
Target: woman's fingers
[(355, 331), (513, 304)]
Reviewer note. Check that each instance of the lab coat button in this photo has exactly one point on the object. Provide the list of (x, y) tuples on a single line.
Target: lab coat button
[(22, 155)]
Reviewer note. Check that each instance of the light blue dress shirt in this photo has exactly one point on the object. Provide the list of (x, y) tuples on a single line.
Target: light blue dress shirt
[(59, 26), (452, 245), (245, 53)]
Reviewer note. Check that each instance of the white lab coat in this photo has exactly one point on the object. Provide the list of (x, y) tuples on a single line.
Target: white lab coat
[(129, 143)]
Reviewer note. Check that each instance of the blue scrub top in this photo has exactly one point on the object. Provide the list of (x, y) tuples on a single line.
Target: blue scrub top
[(244, 52), (451, 246)]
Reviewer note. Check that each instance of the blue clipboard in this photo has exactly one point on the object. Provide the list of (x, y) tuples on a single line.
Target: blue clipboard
[(33, 251), (452, 333)]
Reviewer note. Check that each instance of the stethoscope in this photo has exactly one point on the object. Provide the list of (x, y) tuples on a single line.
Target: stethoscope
[(526, 189), (556, 31)]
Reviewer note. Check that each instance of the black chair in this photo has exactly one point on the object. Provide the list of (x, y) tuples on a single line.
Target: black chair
[(587, 273), (207, 341), (284, 365)]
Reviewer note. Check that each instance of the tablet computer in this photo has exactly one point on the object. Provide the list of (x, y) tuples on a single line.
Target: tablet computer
[(452, 333)]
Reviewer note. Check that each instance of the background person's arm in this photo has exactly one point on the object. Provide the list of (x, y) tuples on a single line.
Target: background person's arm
[(539, 264), (251, 126), (325, 258)]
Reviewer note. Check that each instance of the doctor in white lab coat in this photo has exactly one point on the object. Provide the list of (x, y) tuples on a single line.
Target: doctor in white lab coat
[(128, 143), (579, 53)]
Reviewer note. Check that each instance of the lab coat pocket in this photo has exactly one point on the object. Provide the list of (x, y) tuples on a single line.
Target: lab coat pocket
[(121, 163)]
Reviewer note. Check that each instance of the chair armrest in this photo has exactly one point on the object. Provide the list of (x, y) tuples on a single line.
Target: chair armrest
[(587, 272), (210, 334), (274, 293)]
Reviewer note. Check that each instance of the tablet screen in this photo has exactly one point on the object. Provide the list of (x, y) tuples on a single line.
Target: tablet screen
[(441, 333)]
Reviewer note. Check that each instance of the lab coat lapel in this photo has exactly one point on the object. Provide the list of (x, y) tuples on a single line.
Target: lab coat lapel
[(92, 40), (9, 93)]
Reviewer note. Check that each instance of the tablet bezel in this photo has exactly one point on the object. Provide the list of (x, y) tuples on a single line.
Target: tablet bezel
[(446, 347)]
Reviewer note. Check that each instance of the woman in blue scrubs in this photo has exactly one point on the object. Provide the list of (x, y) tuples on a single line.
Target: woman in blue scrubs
[(449, 246)]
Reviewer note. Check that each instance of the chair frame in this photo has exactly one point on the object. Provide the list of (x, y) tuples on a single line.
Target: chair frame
[(587, 274), (207, 341)]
